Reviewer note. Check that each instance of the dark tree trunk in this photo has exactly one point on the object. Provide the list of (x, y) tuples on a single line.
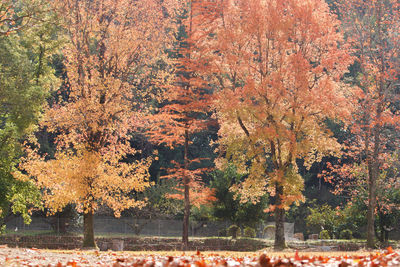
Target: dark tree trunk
[(280, 243), (386, 238), (186, 214), (371, 208), (381, 235), (88, 231), (374, 161), (373, 174), (185, 234)]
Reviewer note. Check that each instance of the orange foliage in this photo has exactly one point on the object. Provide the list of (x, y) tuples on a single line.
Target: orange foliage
[(376, 44), (199, 194), (187, 98), (279, 66), (373, 28)]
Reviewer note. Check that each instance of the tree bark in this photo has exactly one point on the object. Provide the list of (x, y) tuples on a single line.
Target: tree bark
[(88, 231), (374, 162), (186, 214), (373, 175), (372, 178), (382, 232), (371, 208), (185, 233), (386, 237), (279, 243)]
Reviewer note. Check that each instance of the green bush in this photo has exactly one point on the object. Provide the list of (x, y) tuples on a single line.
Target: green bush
[(269, 228), (249, 232), (324, 234), (346, 234), (222, 232), (269, 231), (233, 231), (325, 217)]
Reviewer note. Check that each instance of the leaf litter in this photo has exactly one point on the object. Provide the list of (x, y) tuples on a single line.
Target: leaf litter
[(75, 258)]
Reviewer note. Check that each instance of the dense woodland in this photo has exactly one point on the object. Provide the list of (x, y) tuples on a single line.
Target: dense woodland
[(238, 110)]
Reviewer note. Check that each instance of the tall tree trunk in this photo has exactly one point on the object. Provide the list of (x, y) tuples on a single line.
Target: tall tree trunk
[(185, 234), (88, 230), (280, 243), (381, 234), (186, 214), (375, 164), (372, 178), (373, 175), (386, 238), (371, 207)]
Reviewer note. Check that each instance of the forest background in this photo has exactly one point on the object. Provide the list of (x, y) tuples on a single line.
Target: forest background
[(179, 136)]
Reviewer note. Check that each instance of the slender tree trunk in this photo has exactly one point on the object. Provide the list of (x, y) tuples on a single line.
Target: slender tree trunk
[(386, 238), (381, 234), (186, 214), (373, 175), (40, 63), (371, 207), (280, 243), (375, 164), (185, 234), (88, 230)]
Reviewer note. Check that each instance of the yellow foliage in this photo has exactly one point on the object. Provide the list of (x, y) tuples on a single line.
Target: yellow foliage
[(110, 47), (86, 179)]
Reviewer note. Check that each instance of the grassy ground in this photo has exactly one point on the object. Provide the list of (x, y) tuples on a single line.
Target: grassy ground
[(30, 232), (203, 243)]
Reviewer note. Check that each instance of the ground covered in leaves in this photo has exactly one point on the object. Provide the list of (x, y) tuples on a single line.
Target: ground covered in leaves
[(36, 257)]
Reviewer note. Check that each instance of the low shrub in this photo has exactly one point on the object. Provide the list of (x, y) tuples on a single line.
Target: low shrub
[(269, 231), (324, 234), (346, 234), (249, 232), (233, 231), (222, 232), (269, 228)]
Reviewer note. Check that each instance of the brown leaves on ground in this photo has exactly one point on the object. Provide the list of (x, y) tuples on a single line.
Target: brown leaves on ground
[(35, 257)]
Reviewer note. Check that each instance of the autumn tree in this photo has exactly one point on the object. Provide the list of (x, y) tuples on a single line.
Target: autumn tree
[(110, 45), (186, 102), (28, 40), (278, 66), (351, 182), (373, 30)]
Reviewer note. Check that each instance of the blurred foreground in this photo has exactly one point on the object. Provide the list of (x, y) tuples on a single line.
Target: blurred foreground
[(35, 257)]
